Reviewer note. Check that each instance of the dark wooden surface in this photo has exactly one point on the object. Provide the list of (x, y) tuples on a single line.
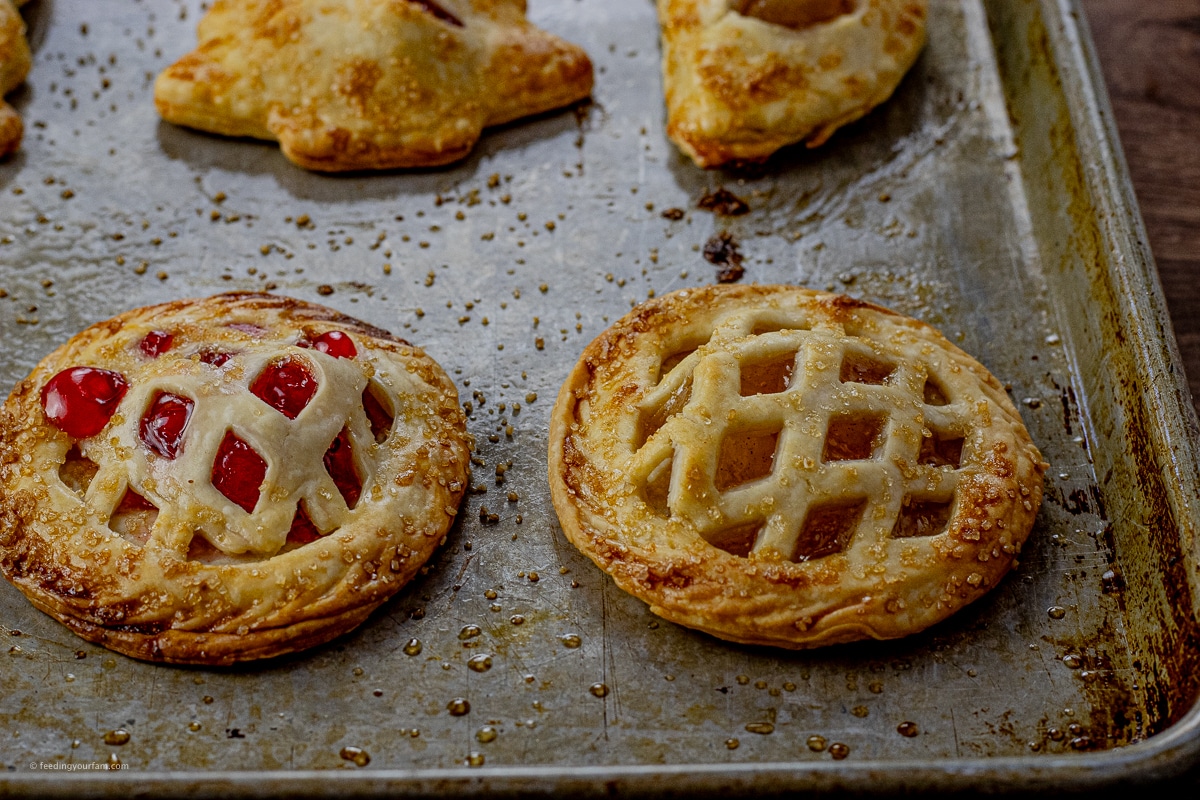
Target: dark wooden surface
[(1150, 53)]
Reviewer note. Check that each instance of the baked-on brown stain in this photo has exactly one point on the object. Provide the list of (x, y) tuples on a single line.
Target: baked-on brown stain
[(795, 14), (827, 529), (745, 457), (922, 518), (767, 377), (738, 541), (857, 368), (852, 437), (941, 450)]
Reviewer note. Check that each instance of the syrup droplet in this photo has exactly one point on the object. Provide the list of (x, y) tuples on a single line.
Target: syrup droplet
[(1072, 661), (486, 734), (761, 728), (285, 386), (480, 663), (156, 343), (838, 751), (517, 619), (339, 463), (193, 726), (732, 743), (571, 640), (163, 425), (475, 759), (908, 729), (412, 647), (743, 680), (359, 756), (116, 738), (598, 689), (458, 707), (816, 743), (1056, 612), (81, 400), (238, 472), (336, 344), (469, 632)]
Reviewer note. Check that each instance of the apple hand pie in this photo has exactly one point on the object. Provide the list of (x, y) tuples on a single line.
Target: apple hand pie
[(369, 84), (743, 78), (15, 60), (780, 466), (233, 478)]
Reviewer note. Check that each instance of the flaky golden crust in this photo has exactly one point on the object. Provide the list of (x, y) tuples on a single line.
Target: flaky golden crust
[(15, 60), (872, 422), (369, 84), (199, 580), (738, 88)]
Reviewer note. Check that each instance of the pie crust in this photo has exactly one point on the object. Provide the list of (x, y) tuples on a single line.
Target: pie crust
[(780, 466), (369, 84), (15, 60), (740, 86), (143, 553)]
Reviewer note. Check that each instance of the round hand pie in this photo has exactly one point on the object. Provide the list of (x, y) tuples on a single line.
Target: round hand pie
[(780, 466), (217, 480), (743, 78)]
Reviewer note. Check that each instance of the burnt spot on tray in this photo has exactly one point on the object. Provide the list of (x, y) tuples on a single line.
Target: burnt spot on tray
[(723, 202), (721, 250)]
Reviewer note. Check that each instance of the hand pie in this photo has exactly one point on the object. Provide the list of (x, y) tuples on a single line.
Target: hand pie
[(746, 77), (369, 84), (780, 466), (15, 60), (218, 480)]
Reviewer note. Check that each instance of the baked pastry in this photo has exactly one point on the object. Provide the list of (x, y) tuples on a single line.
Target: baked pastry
[(369, 84), (15, 60), (746, 77), (780, 466), (217, 480)]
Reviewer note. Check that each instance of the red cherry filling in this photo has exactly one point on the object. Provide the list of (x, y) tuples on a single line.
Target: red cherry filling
[(302, 531), (162, 426), (336, 344), (285, 386), (156, 343), (81, 400), (238, 472), (214, 358), (339, 463)]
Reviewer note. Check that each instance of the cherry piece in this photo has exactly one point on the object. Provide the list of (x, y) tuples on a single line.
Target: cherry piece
[(162, 426), (156, 343), (132, 501), (302, 531), (339, 463), (285, 386), (81, 400), (336, 344), (238, 472), (214, 358)]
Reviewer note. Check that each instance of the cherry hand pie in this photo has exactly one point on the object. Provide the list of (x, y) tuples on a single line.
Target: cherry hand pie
[(781, 466), (369, 84), (217, 480), (746, 77), (15, 60)]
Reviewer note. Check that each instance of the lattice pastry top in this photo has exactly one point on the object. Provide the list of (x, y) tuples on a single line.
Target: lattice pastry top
[(746, 77), (224, 479), (780, 466), (369, 84)]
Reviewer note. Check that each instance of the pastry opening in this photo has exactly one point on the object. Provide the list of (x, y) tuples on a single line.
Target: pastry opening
[(934, 394), (745, 456), (768, 377), (77, 471), (859, 368), (673, 359), (285, 385), (302, 531), (941, 450), (650, 421), (739, 540), (658, 487), (378, 415), (853, 437), (238, 472), (922, 518), (339, 463), (795, 14), (437, 12), (133, 517), (828, 529), (772, 326), (203, 551)]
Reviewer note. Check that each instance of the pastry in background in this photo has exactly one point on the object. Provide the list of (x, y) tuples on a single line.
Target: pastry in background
[(779, 466), (369, 84), (15, 61), (744, 78), (226, 479)]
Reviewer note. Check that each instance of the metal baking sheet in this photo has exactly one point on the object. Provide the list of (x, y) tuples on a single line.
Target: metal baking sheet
[(988, 197)]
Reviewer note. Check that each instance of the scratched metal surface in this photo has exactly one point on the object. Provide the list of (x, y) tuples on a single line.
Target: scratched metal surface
[(942, 204)]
